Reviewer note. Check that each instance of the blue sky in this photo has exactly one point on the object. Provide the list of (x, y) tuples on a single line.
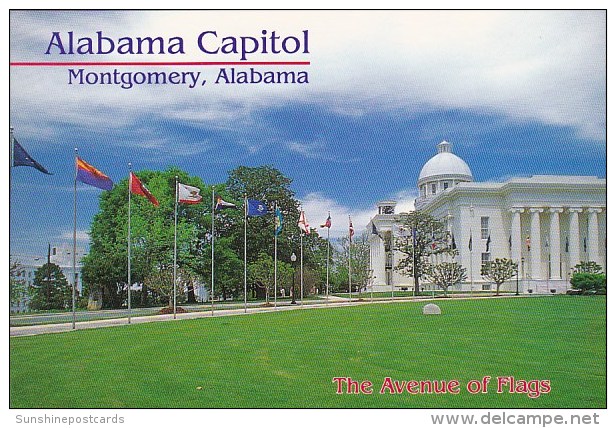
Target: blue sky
[(516, 93)]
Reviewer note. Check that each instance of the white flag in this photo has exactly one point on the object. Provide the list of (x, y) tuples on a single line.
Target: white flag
[(303, 224), (188, 194)]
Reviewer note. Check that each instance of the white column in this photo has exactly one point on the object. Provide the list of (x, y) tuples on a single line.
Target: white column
[(516, 235), (376, 260), (555, 242), (593, 235), (574, 236), (535, 242)]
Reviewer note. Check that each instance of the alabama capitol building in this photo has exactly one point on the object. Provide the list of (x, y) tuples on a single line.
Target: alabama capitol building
[(545, 223)]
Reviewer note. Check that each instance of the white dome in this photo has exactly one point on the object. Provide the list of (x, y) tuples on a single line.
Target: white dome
[(445, 165)]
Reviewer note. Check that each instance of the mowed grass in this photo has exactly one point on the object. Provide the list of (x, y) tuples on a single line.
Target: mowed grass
[(288, 359)]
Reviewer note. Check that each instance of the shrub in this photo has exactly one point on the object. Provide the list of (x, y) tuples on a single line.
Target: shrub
[(589, 283)]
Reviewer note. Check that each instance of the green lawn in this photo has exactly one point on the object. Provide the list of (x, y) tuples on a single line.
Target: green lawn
[(288, 359)]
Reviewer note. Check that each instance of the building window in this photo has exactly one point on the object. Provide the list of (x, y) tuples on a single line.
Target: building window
[(485, 227), (433, 188), (423, 191), (388, 210), (445, 185), (486, 287), (485, 258)]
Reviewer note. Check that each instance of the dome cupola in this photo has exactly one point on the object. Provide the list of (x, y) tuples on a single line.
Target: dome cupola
[(443, 171)]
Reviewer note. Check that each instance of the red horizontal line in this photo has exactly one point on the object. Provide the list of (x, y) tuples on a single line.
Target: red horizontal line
[(154, 64)]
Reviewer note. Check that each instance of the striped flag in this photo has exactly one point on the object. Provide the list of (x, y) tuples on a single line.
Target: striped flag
[(222, 204), (87, 174), (328, 222)]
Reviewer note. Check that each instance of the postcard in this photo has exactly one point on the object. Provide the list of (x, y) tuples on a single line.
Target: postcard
[(308, 209)]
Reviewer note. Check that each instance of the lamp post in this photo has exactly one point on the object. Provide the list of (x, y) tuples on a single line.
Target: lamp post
[(293, 260)]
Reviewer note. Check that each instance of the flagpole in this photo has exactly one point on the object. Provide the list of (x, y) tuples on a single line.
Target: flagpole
[(327, 270), (11, 160), (391, 251), (212, 294), (471, 250), (130, 186), (74, 237), (350, 243), (175, 248), (275, 256), (245, 270), (301, 268)]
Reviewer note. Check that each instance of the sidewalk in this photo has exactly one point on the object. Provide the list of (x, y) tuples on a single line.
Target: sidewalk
[(82, 325), (334, 301)]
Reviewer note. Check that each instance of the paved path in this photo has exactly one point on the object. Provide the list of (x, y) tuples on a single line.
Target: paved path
[(81, 325), (333, 302)]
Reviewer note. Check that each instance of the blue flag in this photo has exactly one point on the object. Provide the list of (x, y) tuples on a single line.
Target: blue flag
[(22, 158), (278, 222), (256, 208)]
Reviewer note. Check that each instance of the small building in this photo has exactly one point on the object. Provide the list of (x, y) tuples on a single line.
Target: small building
[(60, 255)]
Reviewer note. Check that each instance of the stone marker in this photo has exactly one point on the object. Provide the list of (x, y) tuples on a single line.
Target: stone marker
[(431, 309)]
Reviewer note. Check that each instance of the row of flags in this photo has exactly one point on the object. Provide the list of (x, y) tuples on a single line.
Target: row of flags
[(452, 240), (88, 174)]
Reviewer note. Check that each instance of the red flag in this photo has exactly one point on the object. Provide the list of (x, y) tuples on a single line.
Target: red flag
[(328, 222), (137, 187)]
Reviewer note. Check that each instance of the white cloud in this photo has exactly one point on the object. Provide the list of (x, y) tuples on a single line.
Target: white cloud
[(317, 205), (540, 66), (316, 150), (83, 236)]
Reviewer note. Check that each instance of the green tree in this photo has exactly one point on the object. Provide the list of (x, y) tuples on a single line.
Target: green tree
[(499, 271), (589, 283), (50, 288), (587, 267), (360, 263), (270, 186), (228, 270), (105, 268), (446, 274), (261, 274), (161, 282), (419, 236)]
